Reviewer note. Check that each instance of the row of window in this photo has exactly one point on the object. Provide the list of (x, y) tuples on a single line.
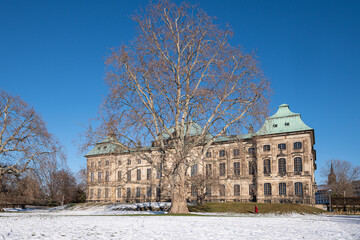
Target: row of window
[(138, 191), (222, 170), (128, 175), (267, 189), (252, 167), (266, 148)]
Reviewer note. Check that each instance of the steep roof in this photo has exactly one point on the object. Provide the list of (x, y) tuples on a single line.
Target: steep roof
[(106, 146), (283, 121)]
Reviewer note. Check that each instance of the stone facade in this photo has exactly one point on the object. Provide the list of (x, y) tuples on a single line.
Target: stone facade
[(276, 164)]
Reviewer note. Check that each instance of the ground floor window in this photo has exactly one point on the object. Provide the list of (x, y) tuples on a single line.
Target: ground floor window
[(236, 190), (267, 189)]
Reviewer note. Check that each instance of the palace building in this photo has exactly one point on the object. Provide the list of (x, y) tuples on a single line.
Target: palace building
[(275, 165)]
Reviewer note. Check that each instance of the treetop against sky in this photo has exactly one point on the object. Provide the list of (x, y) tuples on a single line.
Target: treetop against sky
[(53, 52)]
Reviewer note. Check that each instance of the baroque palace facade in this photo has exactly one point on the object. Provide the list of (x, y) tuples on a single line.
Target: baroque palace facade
[(275, 164)]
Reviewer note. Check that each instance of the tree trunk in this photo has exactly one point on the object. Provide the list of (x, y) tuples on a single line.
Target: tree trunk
[(178, 193)]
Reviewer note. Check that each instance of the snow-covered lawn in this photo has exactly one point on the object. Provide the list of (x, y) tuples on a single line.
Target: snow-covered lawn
[(90, 224)]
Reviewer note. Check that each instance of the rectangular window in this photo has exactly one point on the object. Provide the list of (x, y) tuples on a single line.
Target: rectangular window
[(236, 190), (282, 189), (138, 174), (267, 167), (99, 164), (297, 165), (129, 162), (236, 168), (148, 174), (252, 168), (194, 170), (119, 192), (208, 190), (138, 192), (91, 193), (106, 192), (208, 170), (107, 163), (107, 176), (92, 177), (128, 192), (251, 150), (267, 189), (282, 166), (139, 161), (297, 145), (148, 192), (299, 189), (222, 153), (99, 193), (222, 169), (282, 146), (222, 190), (266, 148), (129, 175), (119, 176), (236, 152), (99, 177)]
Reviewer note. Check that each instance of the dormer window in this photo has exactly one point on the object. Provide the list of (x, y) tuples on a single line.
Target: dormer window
[(274, 125), (287, 124)]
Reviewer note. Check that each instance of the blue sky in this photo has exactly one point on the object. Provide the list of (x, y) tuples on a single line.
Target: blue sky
[(52, 55)]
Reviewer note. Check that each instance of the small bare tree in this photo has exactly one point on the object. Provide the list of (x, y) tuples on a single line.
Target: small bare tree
[(341, 174), (24, 139), (180, 73), (201, 185)]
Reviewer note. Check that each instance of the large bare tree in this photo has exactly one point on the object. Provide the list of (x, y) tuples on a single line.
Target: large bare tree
[(24, 138), (179, 86), (341, 174)]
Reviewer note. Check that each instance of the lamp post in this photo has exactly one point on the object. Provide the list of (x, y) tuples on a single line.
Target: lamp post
[(330, 191)]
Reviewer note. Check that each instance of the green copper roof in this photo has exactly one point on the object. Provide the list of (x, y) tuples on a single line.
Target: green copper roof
[(283, 121), (106, 146)]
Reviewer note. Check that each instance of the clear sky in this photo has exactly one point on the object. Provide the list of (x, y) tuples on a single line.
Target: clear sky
[(52, 55)]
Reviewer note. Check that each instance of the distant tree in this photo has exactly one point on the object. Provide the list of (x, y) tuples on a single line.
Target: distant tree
[(341, 174), (24, 138), (180, 73)]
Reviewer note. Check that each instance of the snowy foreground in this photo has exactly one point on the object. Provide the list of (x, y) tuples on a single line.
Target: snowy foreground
[(114, 223)]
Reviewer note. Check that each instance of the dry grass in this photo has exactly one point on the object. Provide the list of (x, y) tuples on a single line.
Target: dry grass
[(236, 207)]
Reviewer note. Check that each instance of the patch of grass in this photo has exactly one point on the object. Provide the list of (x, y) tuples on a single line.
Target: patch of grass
[(236, 207)]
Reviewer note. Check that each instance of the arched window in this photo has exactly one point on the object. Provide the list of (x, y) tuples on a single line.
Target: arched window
[(282, 166), (267, 167), (282, 189), (92, 177), (297, 165), (297, 145), (299, 189), (267, 189)]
